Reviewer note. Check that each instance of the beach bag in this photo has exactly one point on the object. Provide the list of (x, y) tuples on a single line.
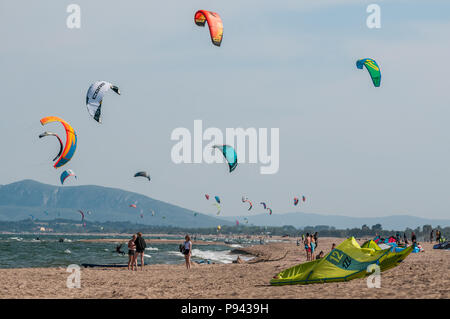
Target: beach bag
[(182, 249)]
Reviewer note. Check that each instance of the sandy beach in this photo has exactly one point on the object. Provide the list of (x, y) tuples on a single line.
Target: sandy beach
[(421, 275)]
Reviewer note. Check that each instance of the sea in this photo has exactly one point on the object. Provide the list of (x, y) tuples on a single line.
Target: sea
[(49, 250)]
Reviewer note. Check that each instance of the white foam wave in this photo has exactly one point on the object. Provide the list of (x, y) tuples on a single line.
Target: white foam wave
[(151, 248)]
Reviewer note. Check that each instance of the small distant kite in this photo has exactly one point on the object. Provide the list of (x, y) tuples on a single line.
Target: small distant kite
[(270, 210), (264, 205), (245, 200), (207, 196), (217, 199), (219, 228), (230, 155), (94, 97), (133, 205), (373, 69), (66, 174), (295, 201), (214, 22), (142, 174)]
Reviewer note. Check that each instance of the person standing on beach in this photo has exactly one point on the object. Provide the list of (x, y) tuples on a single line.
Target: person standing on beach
[(316, 235), (132, 252), (431, 236), (413, 237), (308, 247), (313, 247), (187, 251), (140, 248)]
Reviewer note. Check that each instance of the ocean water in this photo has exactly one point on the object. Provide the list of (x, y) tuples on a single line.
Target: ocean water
[(24, 251)]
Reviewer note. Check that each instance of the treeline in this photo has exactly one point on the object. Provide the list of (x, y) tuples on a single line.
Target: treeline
[(70, 226)]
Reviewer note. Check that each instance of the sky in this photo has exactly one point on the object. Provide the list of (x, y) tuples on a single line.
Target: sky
[(350, 148)]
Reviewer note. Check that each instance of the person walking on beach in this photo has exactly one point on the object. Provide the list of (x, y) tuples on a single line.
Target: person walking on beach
[(431, 236), (187, 251), (140, 248), (132, 253)]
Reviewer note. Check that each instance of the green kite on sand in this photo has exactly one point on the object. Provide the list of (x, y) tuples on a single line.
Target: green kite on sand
[(346, 262)]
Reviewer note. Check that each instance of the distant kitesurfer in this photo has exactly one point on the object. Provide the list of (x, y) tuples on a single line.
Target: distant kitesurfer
[(119, 251)]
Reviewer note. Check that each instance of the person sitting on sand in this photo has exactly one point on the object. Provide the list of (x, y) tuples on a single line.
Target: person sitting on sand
[(320, 255), (187, 251), (131, 252), (140, 248)]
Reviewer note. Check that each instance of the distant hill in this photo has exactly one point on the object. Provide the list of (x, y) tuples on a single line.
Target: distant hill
[(45, 202), (300, 220)]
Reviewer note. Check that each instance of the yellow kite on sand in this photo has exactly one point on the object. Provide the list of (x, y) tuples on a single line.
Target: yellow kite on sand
[(346, 262)]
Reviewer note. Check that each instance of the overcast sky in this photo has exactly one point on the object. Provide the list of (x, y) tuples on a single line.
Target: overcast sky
[(352, 149)]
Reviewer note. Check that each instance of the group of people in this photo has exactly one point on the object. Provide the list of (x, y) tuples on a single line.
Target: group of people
[(438, 235), (311, 242), (136, 248)]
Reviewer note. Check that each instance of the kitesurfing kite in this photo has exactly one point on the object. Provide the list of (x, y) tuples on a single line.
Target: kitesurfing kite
[(264, 205), (217, 199), (133, 205), (59, 140), (373, 69), (142, 174), (346, 262), (82, 215), (214, 23), (207, 196), (71, 140), (66, 174), (94, 97), (230, 155), (295, 201), (218, 208), (270, 210)]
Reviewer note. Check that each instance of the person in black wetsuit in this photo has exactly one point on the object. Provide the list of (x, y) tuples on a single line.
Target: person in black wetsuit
[(140, 248), (119, 251)]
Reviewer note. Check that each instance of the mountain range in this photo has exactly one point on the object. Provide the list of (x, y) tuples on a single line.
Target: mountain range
[(21, 199)]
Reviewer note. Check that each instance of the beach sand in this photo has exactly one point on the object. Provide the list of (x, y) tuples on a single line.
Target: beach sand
[(421, 275)]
